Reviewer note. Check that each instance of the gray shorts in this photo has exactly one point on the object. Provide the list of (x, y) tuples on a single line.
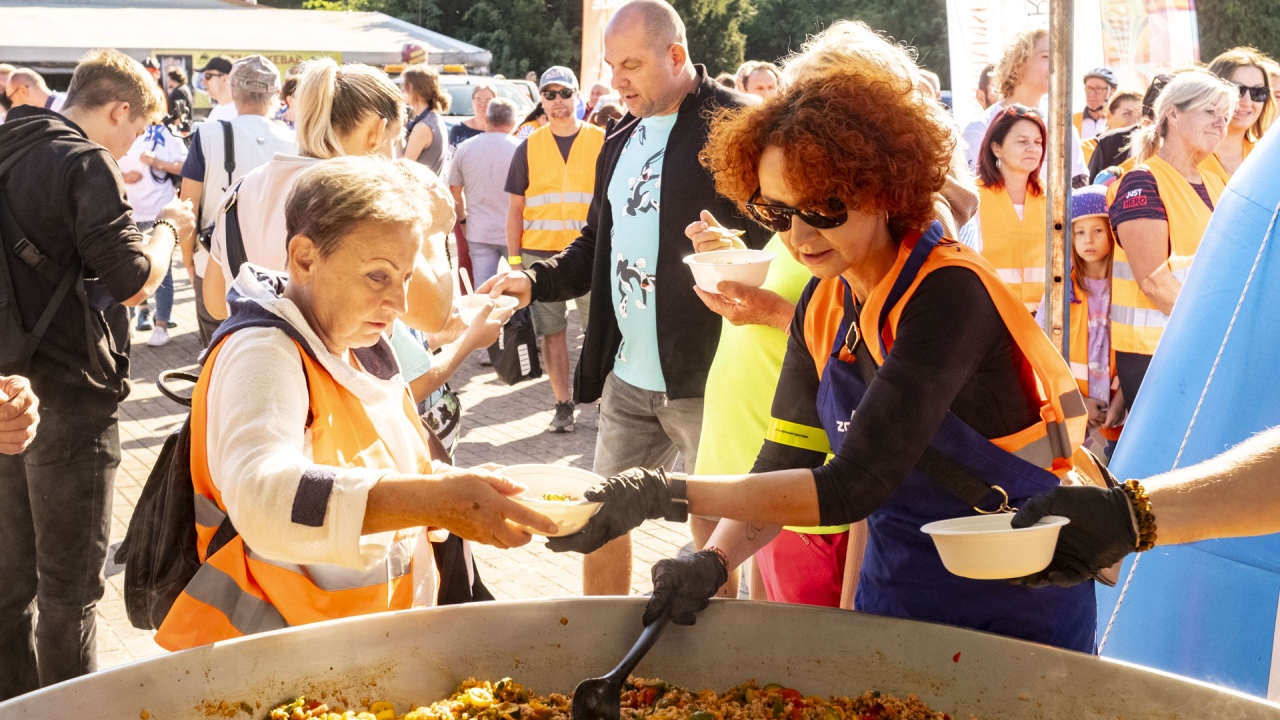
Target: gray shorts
[(550, 318), (642, 428)]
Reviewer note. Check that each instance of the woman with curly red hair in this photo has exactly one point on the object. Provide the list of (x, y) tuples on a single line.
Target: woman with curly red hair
[(1009, 229), (909, 363)]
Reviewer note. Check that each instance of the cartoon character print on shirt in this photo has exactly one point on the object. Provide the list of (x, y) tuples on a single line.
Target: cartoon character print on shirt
[(646, 188), (633, 279)]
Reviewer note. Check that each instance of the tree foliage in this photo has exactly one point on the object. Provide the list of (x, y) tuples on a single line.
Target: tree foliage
[(715, 31), (1225, 24)]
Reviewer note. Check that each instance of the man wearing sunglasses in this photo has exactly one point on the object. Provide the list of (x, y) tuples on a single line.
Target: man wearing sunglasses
[(217, 83), (550, 184), (649, 339)]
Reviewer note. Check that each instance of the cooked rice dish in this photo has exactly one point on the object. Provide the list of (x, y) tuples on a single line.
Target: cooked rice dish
[(641, 698)]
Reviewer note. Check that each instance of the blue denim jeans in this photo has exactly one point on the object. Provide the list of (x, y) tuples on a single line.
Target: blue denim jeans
[(55, 520), (484, 260)]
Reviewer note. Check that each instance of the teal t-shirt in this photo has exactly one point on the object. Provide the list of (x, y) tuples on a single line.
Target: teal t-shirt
[(634, 193)]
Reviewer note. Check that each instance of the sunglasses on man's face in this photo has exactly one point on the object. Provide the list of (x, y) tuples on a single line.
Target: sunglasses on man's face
[(563, 94), (1257, 93), (777, 217), (211, 75)]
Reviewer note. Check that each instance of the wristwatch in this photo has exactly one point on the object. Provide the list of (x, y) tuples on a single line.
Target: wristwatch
[(678, 489)]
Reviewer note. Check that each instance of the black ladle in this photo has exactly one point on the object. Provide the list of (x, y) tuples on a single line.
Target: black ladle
[(601, 698)]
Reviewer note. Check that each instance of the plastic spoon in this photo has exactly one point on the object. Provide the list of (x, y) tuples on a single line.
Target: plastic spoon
[(601, 698)]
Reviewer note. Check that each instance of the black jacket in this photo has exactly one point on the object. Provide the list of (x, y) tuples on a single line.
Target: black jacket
[(1113, 149), (687, 331), (67, 197)]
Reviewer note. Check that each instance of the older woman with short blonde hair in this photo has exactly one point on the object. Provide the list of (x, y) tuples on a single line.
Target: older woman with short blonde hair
[(314, 483)]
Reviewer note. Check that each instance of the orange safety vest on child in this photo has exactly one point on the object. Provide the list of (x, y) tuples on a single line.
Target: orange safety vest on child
[(1050, 443), (1136, 324), (1014, 246), (1080, 350), (238, 592), (559, 193)]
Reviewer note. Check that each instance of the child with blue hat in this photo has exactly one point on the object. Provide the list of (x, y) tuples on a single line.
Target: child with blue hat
[(1092, 362)]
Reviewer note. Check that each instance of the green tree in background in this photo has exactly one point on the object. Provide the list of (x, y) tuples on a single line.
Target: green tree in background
[(523, 35), (715, 31), (1225, 24)]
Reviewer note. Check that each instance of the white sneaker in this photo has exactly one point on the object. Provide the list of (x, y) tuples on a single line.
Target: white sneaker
[(159, 337)]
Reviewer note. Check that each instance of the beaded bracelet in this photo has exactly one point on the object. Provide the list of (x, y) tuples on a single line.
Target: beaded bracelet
[(1141, 505), (724, 559)]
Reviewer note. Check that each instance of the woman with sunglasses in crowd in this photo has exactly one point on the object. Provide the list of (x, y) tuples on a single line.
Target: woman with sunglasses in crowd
[(1010, 225), (909, 361), (1245, 68)]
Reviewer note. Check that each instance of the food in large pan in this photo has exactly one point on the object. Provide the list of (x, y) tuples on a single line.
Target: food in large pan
[(641, 698)]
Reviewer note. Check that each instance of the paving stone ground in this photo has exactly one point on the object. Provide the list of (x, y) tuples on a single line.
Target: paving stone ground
[(502, 424)]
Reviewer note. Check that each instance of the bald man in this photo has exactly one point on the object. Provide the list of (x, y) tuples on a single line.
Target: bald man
[(27, 87), (649, 339)]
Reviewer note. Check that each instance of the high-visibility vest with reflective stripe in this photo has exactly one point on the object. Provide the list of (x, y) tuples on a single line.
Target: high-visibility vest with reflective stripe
[(1080, 350), (1136, 324), (559, 194), (237, 591), (1014, 246), (1049, 443), (1213, 166)]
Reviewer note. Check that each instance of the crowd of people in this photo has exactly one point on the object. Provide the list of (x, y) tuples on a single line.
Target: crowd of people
[(890, 371)]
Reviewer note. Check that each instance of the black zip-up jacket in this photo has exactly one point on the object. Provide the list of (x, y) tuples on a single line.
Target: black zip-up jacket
[(688, 332)]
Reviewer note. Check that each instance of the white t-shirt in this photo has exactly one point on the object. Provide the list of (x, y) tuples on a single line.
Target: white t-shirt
[(223, 112), (261, 213), (154, 190)]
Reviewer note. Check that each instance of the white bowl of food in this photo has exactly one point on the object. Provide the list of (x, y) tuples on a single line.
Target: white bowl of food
[(749, 267), (556, 491), (987, 547), (469, 306)]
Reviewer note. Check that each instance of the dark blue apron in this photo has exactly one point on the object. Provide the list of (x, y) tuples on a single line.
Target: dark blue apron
[(902, 575)]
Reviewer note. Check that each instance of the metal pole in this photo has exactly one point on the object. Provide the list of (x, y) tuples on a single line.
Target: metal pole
[(1058, 221)]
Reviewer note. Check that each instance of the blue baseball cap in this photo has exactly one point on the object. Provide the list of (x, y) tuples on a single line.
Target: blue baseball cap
[(1089, 201), (558, 75)]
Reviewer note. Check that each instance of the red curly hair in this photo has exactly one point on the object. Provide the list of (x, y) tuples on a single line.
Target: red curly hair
[(859, 132)]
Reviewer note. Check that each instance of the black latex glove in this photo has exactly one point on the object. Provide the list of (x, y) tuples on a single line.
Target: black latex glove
[(1100, 534), (685, 586), (629, 498)]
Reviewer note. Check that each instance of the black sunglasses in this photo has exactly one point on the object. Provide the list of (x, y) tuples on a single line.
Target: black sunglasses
[(212, 74), (562, 93), (1257, 93), (778, 217)]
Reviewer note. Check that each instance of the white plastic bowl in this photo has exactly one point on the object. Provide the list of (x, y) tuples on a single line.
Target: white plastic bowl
[(569, 516), (749, 267), (986, 547), (469, 306)]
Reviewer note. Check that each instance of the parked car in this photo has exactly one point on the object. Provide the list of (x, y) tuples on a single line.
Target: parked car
[(521, 92)]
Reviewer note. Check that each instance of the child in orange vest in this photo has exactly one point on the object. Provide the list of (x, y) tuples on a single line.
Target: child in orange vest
[(1092, 362)]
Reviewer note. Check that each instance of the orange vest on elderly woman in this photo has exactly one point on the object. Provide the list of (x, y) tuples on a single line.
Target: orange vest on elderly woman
[(239, 592)]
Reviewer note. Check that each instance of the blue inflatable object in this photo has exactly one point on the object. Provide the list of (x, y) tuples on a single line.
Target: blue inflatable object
[(1208, 610)]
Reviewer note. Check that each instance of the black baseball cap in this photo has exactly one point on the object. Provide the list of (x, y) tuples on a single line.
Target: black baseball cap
[(219, 63)]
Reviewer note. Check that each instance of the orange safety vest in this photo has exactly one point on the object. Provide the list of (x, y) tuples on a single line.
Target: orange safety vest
[(1080, 350), (1213, 166), (559, 194), (238, 592), (1136, 324), (1049, 443), (1088, 147), (1014, 246)]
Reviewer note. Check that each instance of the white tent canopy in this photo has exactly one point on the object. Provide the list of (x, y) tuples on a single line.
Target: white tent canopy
[(55, 32)]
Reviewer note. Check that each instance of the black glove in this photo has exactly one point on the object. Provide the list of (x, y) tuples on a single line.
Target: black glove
[(1100, 534), (629, 498), (684, 586)]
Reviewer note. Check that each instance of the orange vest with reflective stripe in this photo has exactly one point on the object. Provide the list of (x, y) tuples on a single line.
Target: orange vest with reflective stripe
[(1049, 443), (559, 194), (238, 592), (1080, 350), (1014, 246), (1213, 166), (1136, 324)]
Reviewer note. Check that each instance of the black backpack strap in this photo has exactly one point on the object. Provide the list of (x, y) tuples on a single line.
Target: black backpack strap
[(61, 279), (235, 254), (228, 150)]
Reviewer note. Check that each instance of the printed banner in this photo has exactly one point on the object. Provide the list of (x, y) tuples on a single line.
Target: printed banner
[(190, 62), (1136, 38), (595, 16)]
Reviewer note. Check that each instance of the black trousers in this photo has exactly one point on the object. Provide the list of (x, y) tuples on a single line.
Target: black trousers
[(1131, 368), (55, 520)]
